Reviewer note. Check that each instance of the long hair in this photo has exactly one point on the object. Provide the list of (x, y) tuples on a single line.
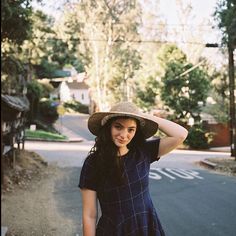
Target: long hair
[(106, 153)]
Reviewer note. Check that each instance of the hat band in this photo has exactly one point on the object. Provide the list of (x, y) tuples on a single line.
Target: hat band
[(108, 117)]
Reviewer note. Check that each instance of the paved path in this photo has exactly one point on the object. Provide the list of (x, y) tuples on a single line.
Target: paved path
[(190, 200)]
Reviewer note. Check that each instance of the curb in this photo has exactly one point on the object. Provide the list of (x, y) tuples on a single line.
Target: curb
[(74, 140), (208, 164)]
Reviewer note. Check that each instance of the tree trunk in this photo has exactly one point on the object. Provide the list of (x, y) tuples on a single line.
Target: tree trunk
[(232, 102)]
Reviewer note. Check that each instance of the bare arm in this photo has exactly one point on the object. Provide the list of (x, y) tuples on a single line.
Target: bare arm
[(176, 134), (89, 200)]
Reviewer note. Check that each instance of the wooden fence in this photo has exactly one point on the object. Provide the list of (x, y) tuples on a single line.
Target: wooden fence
[(13, 120)]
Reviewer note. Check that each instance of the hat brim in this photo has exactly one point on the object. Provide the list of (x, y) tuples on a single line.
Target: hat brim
[(149, 128)]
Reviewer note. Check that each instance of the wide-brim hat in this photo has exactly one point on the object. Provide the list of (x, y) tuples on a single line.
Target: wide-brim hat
[(148, 124)]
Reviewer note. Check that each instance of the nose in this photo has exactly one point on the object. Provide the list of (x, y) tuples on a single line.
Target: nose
[(124, 133)]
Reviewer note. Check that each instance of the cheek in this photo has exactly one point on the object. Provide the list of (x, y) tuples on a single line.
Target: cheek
[(113, 132), (131, 135)]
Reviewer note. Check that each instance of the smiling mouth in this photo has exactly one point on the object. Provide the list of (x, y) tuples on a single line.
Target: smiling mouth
[(121, 141)]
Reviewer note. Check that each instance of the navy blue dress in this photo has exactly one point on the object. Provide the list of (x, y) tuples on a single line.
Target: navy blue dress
[(127, 210)]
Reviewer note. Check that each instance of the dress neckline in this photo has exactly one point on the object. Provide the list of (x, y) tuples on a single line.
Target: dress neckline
[(122, 157)]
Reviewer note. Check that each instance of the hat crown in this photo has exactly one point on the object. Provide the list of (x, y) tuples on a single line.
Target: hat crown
[(125, 107)]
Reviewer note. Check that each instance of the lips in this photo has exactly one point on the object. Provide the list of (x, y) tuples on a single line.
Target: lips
[(121, 141)]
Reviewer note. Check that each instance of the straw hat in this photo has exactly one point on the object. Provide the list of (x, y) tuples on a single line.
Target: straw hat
[(147, 123)]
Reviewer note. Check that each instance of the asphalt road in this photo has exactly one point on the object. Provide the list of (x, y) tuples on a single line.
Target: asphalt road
[(190, 200), (78, 124)]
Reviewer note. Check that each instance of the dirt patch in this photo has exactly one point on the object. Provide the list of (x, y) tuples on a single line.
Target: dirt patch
[(27, 167), (225, 165), (28, 198)]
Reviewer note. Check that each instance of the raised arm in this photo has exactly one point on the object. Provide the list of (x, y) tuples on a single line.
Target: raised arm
[(176, 134), (89, 199)]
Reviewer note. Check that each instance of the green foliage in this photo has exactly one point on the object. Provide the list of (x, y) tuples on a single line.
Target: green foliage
[(47, 88), (198, 137), (15, 20), (146, 93), (106, 29), (170, 53), (219, 93), (34, 89), (34, 93), (126, 62), (48, 111), (225, 14), (183, 93), (41, 134), (76, 106), (12, 70)]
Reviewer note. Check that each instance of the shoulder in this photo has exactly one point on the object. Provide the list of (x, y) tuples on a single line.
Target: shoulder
[(89, 162), (151, 143), (151, 149), (90, 159)]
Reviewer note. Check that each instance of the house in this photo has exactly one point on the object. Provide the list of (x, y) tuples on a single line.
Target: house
[(71, 88)]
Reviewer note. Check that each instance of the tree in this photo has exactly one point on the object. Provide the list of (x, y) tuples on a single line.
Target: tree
[(146, 93), (219, 101), (226, 16), (184, 89), (48, 50), (15, 20), (16, 26), (106, 29)]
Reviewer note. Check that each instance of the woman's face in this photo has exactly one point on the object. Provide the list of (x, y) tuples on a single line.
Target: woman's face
[(123, 131)]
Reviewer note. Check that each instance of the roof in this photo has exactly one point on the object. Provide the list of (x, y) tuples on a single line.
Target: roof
[(19, 103), (77, 85)]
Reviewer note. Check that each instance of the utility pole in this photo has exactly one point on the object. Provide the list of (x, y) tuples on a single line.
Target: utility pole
[(232, 101), (232, 119)]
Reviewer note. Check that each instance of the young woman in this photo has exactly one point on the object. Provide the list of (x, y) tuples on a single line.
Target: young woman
[(117, 168)]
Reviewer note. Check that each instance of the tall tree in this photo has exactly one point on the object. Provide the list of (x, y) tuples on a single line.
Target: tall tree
[(218, 101), (16, 26), (15, 20), (226, 16), (106, 27), (184, 86)]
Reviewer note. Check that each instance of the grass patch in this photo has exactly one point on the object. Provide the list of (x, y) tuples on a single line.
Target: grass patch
[(41, 134)]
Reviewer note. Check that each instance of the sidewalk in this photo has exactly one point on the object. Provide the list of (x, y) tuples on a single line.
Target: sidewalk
[(226, 164), (220, 149), (72, 136)]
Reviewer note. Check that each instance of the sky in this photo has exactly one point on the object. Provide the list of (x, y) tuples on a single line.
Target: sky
[(199, 23), (202, 8), (201, 17)]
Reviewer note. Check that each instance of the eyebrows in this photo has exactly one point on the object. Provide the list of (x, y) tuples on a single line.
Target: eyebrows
[(123, 125)]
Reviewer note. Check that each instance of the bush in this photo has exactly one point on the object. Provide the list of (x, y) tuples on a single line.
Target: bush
[(77, 107), (48, 111), (34, 94), (198, 137)]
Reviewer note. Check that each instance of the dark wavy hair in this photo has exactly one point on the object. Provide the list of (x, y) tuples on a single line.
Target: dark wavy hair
[(106, 153)]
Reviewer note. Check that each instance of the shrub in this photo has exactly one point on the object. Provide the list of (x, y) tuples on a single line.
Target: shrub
[(77, 107), (198, 137), (48, 110)]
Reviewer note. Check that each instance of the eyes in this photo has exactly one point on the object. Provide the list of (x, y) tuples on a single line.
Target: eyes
[(120, 127)]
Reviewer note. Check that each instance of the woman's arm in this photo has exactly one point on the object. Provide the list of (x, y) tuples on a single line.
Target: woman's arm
[(176, 134), (89, 201)]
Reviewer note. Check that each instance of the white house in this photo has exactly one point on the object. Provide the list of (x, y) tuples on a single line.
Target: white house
[(72, 88), (79, 91)]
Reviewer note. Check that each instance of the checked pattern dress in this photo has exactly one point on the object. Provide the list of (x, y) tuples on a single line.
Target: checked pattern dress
[(127, 210)]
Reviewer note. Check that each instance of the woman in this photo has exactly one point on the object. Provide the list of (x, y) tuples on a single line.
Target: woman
[(117, 168)]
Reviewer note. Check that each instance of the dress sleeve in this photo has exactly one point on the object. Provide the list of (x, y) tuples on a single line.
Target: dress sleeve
[(88, 174), (151, 147)]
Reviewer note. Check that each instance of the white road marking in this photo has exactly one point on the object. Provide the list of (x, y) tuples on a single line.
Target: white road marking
[(157, 173)]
